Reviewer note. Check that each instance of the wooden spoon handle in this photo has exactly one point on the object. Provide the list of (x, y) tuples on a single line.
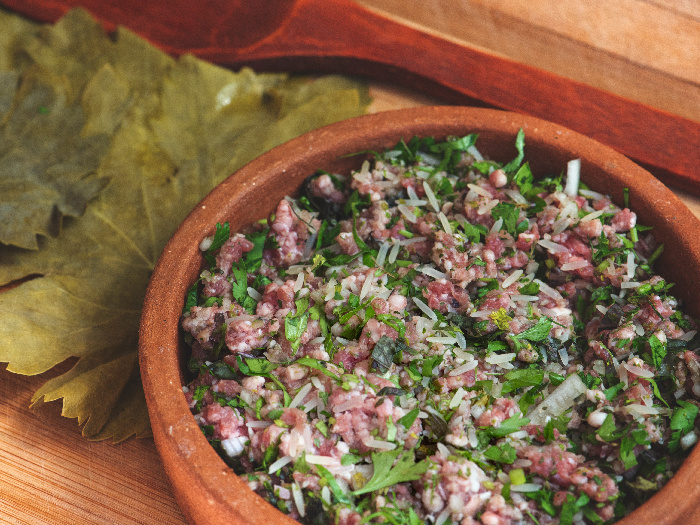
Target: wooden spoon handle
[(341, 36)]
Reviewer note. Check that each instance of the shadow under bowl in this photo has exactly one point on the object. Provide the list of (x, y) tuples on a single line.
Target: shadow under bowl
[(206, 489)]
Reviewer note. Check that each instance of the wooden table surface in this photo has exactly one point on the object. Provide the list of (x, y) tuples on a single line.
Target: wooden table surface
[(646, 50)]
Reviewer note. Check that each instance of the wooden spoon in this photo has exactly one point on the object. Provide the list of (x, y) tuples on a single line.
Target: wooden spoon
[(341, 36)]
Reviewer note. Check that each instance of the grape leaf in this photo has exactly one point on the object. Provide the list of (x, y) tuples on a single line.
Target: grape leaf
[(176, 128)]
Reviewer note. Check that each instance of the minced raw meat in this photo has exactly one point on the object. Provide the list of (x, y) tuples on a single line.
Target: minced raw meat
[(437, 338)]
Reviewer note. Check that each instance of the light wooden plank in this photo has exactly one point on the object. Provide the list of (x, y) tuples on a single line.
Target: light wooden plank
[(49, 473), (520, 40), (690, 8), (643, 33)]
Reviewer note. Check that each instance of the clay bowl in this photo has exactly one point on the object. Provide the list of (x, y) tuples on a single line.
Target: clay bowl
[(206, 489)]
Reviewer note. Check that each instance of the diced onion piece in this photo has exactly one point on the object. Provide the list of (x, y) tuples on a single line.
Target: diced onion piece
[(559, 401), (689, 440), (639, 371), (573, 177)]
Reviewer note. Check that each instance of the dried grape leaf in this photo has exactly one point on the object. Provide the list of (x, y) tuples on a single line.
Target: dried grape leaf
[(176, 128), (47, 168)]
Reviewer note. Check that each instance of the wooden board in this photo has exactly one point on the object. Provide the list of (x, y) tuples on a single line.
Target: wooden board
[(49, 474)]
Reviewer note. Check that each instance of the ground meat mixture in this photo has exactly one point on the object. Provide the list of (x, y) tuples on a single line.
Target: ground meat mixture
[(439, 338)]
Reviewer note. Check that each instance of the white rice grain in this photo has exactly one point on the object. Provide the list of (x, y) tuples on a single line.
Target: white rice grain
[(445, 223), (432, 272), (407, 213), (463, 369), (431, 196), (394, 253), (513, 277), (281, 462), (425, 309), (573, 265), (457, 398), (298, 499), (377, 443), (478, 189), (496, 226), (381, 253), (300, 395), (496, 359), (321, 460), (552, 246), (254, 293), (593, 215)]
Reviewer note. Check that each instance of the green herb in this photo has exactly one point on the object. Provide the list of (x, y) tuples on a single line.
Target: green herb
[(682, 422), (384, 352), (222, 234), (510, 214), (538, 332), (295, 324), (503, 453), (409, 418), (510, 425), (318, 365), (338, 493), (520, 146), (392, 467), (523, 377)]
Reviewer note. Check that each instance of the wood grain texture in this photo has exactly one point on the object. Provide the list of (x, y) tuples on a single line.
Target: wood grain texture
[(645, 51), (50, 474), (341, 36)]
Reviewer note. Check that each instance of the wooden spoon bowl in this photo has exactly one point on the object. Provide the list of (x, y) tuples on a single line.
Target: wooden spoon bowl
[(207, 490)]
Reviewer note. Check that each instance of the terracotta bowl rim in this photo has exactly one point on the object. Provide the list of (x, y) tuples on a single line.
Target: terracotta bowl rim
[(203, 485)]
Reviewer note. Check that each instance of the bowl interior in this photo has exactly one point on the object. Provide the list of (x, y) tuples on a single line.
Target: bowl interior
[(206, 489)]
